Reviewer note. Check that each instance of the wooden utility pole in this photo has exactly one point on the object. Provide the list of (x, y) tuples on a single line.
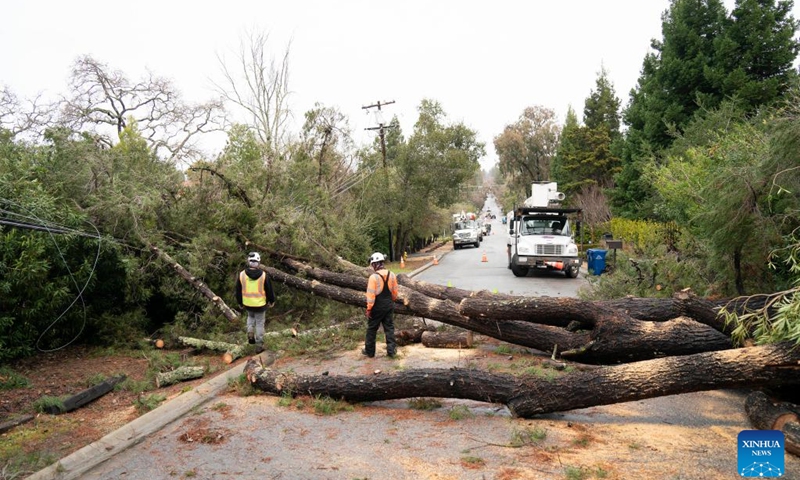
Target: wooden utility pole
[(381, 133)]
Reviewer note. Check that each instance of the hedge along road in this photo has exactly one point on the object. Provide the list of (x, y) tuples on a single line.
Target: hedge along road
[(209, 433)]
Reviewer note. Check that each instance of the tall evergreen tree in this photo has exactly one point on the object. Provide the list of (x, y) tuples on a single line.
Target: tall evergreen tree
[(704, 57), (756, 53), (586, 153)]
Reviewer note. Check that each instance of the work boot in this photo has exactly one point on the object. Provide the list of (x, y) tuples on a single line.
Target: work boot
[(251, 339), (364, 352)]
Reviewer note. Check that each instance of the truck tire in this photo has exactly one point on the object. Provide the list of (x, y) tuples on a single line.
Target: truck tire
[(477, 244), (572, 272), (517, 270)]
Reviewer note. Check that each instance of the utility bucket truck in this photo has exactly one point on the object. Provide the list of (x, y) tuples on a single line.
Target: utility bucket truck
[(541, 233), (466, 230)]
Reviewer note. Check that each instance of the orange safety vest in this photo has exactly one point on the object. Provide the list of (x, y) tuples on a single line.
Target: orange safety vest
[(253, 294), (374, 287)]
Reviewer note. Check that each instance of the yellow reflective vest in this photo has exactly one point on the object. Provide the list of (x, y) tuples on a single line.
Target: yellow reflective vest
[(253, 294)]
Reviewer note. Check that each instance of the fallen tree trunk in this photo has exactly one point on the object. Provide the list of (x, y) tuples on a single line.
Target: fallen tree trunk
[(86, 396), (447, 339), (180, 374), (8, 424), (614, 337), (766, 415), (198, 284), (529, 396), (232, 350)]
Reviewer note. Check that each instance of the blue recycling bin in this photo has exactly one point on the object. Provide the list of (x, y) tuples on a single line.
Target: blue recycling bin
[(596, 260)]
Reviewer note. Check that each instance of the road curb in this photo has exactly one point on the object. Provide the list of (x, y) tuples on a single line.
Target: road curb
[(76, 464), (426, 266)]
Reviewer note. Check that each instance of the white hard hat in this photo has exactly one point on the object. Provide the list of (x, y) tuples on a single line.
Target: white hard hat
[(254, 257), (376, 257)]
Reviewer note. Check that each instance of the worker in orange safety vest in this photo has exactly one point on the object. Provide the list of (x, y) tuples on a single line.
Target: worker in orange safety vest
[(381, 294)]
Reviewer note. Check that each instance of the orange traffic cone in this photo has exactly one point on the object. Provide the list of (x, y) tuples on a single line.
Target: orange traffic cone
[(402, 262), (484, 259), (435, 260)]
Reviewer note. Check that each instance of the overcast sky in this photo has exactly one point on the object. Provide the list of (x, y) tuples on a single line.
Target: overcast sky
[(484, 61)]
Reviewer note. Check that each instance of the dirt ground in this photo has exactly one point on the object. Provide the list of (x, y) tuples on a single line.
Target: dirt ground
[(259, 436)]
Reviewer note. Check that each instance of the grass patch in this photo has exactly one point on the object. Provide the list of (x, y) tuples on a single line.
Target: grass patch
[(42, 404), (286, 400), (95, 379), (241, 386), (460, 412), (135, 386), (424, 403), (527, 436), (472, 462), (582, 441), (146, 403), (329, 406), (575, 473), (9, 379)]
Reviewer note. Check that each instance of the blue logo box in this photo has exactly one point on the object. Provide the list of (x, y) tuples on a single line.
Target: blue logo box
[(761, 453)]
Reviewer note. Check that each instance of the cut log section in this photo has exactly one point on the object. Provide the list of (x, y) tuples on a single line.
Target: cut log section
[(447, 339), (528, 396), (180, 374), (766, 415), (13, 422), (86, 396), (232, 350), (411, 335)]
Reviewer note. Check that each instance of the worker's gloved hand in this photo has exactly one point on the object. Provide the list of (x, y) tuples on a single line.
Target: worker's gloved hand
[(270, 305)]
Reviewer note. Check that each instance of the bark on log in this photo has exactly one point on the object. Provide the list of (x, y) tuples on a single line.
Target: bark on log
[(13, 422), (766, 415), (198, 284), (528, 396), (447, 339), (235, 351), (180, 374), (411, 335), (86, 396)]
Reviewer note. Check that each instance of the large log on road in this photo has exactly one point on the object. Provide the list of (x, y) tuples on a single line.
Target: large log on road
[(528, 396), (766, 415)]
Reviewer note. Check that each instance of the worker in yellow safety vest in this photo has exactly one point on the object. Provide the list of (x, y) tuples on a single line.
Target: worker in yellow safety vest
[(254, 292), (381, 294)]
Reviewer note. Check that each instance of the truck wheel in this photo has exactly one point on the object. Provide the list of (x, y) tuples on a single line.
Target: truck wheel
[(517, 270), (477, 244), (572, 272)]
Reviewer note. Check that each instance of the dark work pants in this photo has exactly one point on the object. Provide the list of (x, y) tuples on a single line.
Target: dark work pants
[(385, 318)]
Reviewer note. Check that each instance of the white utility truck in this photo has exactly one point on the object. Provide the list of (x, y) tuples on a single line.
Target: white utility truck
[(541, 234), (466, 230)]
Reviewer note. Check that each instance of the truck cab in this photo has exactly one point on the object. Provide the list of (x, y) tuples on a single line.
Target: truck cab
[(541, 234), (542, 238)]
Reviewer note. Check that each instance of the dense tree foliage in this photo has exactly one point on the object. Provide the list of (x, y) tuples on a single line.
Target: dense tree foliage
[(409, 195), (525, 151), (704, 57)]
